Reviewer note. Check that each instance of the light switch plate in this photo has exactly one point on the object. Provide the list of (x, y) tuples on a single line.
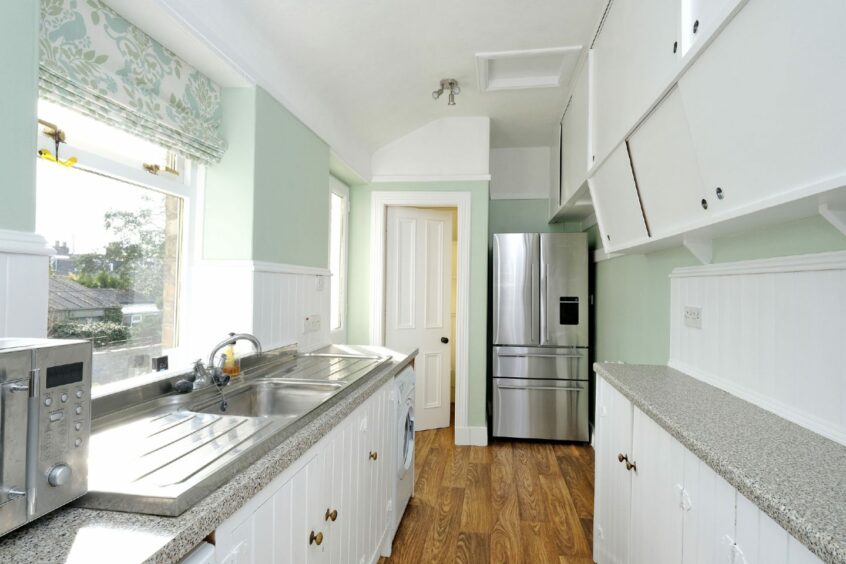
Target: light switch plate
[(693, 317)]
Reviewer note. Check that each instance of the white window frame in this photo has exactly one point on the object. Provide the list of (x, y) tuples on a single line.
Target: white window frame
[(340, 189), (189, 186)]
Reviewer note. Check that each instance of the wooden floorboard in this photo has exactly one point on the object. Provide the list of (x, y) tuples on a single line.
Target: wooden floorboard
[(510, 502)]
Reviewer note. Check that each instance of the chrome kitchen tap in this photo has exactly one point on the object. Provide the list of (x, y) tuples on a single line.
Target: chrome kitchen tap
[(211, 374)]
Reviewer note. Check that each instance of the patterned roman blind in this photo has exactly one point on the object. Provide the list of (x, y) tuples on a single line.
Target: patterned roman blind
[(99, 64)]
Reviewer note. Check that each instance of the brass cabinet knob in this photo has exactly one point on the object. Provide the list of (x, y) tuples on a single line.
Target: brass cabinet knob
[(315, 538), (374, 455), (631, 465), (331, 515), (621, 457)]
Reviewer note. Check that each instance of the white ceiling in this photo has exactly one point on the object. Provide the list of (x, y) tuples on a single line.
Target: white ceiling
[(361, 72)]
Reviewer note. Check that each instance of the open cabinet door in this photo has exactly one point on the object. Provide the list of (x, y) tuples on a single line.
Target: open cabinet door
[(417, 310)]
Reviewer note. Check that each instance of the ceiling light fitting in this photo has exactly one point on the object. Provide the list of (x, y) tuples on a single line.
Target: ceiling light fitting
[(448, 84)]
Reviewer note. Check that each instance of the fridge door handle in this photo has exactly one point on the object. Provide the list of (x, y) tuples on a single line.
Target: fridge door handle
[(539, 355), (545, 388), (534, 320), (544, 304)]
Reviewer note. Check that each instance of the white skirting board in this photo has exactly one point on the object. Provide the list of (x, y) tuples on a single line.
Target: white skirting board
[(473, 436), (268, 300), (24, 284), (773, 333)]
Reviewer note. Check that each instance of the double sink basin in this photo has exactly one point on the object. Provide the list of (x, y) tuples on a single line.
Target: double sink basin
[(165, 455)]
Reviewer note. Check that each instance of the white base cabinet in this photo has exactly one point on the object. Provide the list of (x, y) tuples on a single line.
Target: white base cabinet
[(331, 506), (657, 503)]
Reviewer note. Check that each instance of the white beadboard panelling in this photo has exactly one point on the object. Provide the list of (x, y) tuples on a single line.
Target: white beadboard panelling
[(772, 333), (24, 284), (268, 300)]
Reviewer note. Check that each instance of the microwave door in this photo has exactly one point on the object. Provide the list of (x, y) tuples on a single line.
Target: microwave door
[(14, 400), (564, 289), (516, 280)]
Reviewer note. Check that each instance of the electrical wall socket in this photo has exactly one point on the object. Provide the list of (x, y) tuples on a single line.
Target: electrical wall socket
[(312, 324), (693, 317)]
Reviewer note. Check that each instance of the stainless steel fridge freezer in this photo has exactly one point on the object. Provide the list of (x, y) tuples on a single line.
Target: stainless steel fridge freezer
[(540, 336)]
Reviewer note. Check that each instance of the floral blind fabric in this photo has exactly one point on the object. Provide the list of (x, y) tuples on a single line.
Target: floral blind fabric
[(96, 62)]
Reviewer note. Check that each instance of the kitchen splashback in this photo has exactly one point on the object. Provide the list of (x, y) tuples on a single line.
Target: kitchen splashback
[(773, 332)]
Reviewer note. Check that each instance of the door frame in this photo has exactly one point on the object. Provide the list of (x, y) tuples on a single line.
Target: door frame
[(379, 203)]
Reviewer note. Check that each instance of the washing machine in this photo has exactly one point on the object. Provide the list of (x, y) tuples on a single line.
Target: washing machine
[(404, 476)]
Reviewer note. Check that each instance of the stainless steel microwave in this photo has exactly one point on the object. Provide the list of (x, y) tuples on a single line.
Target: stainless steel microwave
[(45, 423)]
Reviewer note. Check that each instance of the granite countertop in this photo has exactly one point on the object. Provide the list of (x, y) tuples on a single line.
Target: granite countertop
[(794, 475), (88, 536)]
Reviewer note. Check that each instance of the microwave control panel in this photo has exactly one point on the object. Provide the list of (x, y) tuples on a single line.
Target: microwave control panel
[(61, 414)]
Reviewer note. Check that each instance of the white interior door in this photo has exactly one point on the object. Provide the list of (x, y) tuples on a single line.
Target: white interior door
[(419, 276)]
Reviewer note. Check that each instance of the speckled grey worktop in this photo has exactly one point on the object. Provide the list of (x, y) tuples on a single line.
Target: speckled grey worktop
[(87, 536), (794, 475)]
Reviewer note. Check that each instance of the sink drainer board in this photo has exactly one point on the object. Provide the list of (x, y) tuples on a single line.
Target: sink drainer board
[(173, 455)]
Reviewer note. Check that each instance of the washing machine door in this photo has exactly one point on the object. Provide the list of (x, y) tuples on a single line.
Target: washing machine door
[(406, 446)]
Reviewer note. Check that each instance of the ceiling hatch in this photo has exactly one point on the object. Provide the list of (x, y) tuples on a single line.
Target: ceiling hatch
[(533, 68)]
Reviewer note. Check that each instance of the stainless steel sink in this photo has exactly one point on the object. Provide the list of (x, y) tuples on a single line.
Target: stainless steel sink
[(272, 398), (162, 455)]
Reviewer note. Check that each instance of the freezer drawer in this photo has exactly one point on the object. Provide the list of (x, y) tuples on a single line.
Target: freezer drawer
[(541, 409), (540, 363)]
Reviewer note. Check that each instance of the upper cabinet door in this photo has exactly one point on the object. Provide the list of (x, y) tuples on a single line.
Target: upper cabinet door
[(574, 160), (616, 201), (635, 54), (765, 103), (666, 169)]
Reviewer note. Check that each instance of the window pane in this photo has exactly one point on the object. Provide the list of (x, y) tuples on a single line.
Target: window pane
[(335, 259), (115, 276)]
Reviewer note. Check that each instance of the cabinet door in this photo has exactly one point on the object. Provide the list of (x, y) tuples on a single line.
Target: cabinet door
[(308, 505), (574, 160), (631, 61), (700, 18), (765, 103), (616, 201), (708, 503), (667, 172), (612, 502), (341, 479), (657, 485)]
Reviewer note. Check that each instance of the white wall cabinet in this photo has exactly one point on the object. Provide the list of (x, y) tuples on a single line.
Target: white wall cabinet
[(656, 502), (636, 52), (765, 103), (574, 150), (617, 204), (667, 171), (330, 507)]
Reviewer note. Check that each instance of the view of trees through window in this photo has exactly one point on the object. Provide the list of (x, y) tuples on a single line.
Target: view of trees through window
[(114, 277)]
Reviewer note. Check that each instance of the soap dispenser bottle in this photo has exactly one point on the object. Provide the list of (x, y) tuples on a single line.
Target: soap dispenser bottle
[(232, 364)]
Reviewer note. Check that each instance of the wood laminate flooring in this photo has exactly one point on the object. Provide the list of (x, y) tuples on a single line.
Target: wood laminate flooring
[(510, 502)]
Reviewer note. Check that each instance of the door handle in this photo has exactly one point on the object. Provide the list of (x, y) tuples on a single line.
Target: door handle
[(331, 515), (540, 388), (444, 340), (373, 455), (539, 355), (315, 538)]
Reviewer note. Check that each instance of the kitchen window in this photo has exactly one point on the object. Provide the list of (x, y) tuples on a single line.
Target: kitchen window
[(339, 212), (121, 237)]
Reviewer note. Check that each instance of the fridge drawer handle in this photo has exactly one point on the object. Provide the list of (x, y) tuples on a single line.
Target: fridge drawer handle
[(530, 355), (500, 386)]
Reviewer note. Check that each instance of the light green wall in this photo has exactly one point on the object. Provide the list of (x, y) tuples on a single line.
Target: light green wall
[(521, 216), (632, 293), (18, 114), (268, 199), (291, 189), (228, 198), (359, 275)]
